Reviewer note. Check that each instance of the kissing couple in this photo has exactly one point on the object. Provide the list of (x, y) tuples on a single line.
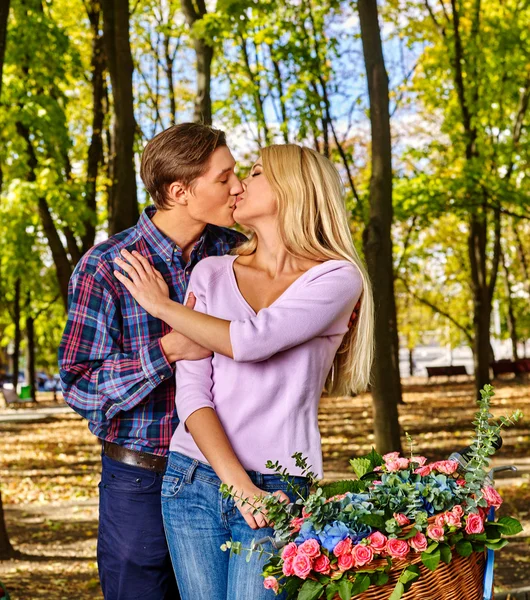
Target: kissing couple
[(197, 354)]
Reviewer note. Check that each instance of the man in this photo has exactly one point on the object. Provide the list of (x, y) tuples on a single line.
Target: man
[(117, 362)]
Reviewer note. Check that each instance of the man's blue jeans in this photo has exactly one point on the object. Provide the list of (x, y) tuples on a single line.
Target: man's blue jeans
[(197, 520), (133, 557)]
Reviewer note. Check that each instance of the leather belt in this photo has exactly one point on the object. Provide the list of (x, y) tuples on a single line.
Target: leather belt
[(135, 458)]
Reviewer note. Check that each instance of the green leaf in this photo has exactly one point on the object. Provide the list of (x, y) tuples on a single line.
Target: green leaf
[(431, 548), (496, 545), (361, 584), (510, 526), (432, 560), (376, 521), (464, 548), (398, 591), (410, 574), (311, 590), (375, 458), (410, 534), (361, 466), (331, 590), (345, 589), (342, 487), (381, 578), (477, 537), (445, 553)]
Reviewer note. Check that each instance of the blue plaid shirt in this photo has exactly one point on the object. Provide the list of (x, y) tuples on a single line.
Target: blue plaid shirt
[(113, 370)]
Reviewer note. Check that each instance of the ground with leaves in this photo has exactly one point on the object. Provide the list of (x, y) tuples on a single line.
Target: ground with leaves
[(49, 471)]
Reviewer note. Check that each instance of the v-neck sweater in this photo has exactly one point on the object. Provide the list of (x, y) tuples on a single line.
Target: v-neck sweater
[(267, 396)]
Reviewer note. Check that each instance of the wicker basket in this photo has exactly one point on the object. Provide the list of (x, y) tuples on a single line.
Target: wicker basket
[(459, 580)]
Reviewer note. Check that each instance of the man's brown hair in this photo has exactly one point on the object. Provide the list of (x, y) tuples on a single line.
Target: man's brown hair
[(180, 153)]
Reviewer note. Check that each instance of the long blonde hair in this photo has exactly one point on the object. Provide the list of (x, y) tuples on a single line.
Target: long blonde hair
[(313, 224)]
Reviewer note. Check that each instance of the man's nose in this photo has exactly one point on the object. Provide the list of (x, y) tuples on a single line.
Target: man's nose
[(237, 187)]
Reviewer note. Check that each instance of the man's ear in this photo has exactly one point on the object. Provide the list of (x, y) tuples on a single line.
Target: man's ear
[(177, 193)]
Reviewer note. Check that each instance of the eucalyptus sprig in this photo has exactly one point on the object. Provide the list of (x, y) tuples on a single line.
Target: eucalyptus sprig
[(487, 433)]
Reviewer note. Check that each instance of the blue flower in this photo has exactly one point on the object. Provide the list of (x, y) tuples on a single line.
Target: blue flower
[(307, 532), (360, 532), (333, 534), (429, 508)]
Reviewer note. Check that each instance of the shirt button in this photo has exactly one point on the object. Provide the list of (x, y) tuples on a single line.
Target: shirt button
[(168, 260), (162, 376)]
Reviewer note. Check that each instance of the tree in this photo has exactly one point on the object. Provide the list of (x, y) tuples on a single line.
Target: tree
[(123, 203), (474, 113), (386, 387), (194, 13)]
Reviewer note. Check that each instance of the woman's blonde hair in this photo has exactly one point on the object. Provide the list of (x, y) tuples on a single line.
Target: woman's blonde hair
[(313, 224)]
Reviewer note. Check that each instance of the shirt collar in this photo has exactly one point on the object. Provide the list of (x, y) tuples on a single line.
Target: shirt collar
[(164, 246)]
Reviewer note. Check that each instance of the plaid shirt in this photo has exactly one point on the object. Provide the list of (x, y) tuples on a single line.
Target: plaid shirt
[(113, 370)]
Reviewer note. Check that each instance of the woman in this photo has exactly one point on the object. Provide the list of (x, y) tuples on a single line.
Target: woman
[(276, 316)]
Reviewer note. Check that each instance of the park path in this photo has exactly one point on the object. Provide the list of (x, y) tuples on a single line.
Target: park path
[(49, 470)]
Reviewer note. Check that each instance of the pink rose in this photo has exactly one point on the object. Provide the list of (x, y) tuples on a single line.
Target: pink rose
[(440, 520), (305, 514), (458, 511), (447, 467), (401, 519), (377, 541), (310, 547), (460, 482), (290, 550), (302, 565), (362, 555), (397, 465), (322, 565), (287, 567), (435, 532), (345, 561), (423, 471), (296, 524), (397, 548), (271, 583), (474, 524), (378, 482), (390, 456), (452, 520), (419, 542), (492, 496), (419, 460), (343, 547)]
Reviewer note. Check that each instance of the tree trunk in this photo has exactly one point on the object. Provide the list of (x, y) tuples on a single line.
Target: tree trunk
[(123, 211), (60, 257), (411, 362), (95, 150), (204, 52), (386, 388), (30, 349), (18, 335), (512, 323), (481, 300), (6, 549), (4, 14)]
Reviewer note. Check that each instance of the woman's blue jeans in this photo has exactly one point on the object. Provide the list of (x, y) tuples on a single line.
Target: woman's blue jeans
[(198, 520)]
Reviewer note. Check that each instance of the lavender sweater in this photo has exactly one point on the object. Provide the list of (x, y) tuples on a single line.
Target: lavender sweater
[(267, 396)]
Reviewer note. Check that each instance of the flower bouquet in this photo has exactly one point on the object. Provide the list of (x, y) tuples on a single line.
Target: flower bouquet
[(399, 521)]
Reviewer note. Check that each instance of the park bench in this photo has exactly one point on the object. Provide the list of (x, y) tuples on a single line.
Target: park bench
[(11, 398), (446, 371), (501, 367)]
